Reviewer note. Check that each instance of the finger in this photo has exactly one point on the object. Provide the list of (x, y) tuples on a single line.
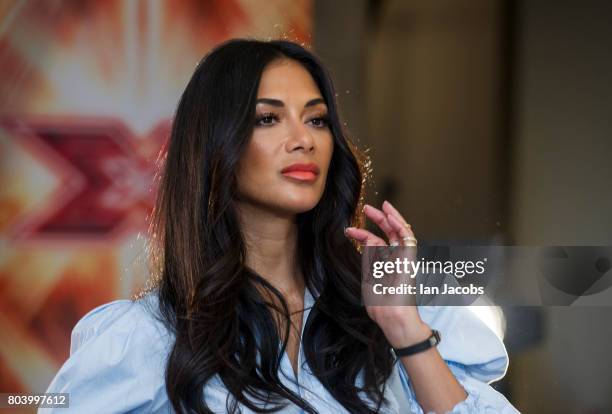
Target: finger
[(399, 227), (380, 218), (410, 251), (364, 237), (390, 210)]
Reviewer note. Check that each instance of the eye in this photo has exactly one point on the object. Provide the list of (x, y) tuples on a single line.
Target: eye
[(321, 121), (266, 119)]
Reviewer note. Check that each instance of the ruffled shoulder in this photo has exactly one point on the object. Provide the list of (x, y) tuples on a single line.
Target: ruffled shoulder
[(473, 352), (117, 359), (468, 341), (118, 317)]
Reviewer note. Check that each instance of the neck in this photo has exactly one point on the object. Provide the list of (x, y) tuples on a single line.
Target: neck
[(271, 242)]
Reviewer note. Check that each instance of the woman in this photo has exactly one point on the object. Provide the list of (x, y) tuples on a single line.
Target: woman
[(257, 306)]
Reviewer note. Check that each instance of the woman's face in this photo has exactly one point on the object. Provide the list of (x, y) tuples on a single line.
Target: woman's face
[(286, 161)]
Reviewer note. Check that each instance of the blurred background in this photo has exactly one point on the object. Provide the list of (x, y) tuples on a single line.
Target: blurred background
[(487, 121)]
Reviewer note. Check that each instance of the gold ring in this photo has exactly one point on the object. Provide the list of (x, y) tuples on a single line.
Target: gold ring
[(412, 240)]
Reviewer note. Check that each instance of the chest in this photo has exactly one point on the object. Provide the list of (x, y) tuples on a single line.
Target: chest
[(293, 342)]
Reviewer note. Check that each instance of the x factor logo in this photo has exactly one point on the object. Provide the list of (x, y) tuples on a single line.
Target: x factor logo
[(103, 175)]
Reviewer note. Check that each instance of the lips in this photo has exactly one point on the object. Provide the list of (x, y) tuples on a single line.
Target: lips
[(301, 172)]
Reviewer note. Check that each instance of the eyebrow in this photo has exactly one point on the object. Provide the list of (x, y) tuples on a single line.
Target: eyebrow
[(279, 103)]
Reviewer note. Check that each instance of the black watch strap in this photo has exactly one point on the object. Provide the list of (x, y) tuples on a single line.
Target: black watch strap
[(433, 340)]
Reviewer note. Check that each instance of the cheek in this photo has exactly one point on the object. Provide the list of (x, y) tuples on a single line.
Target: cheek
[(327, 151), (256, 167)]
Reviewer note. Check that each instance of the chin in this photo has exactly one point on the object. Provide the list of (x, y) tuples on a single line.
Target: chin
[(300, 203), (299, 207)]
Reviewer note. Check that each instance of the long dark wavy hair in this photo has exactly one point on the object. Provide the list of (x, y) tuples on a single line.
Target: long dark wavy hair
[(209, 299)]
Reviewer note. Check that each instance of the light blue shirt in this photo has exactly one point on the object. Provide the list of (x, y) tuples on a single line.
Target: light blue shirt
[(118, 354)]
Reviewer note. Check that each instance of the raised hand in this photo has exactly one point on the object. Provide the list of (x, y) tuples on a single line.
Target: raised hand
[(401, 325)]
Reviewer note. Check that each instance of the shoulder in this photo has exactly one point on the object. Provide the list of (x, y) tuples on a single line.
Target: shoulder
[(117, 359), (124, 319), (475, 354), (467, 340)]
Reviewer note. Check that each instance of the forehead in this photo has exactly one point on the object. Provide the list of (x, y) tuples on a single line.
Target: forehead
[(287, 78)]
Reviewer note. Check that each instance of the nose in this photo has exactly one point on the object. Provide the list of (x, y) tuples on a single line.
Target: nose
[(300, 138)]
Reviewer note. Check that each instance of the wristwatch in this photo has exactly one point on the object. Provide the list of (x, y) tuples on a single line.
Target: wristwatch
[(433, 340)]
